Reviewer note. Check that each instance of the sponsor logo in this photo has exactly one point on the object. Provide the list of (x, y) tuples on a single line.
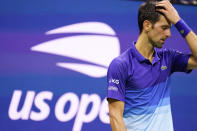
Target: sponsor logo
[(163, 67), (182, 31), (116, 81), (77, 109), (97, 45), (113, 88)]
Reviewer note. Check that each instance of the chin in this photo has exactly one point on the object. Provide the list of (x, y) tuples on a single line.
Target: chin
[(159, 45)]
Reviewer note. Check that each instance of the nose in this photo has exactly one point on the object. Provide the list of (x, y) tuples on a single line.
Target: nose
[(168, 33)]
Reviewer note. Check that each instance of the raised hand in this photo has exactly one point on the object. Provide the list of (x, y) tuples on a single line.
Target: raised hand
[(168, 10)]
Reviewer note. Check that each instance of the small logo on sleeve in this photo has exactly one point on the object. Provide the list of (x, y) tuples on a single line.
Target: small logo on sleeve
[(116, 81), (112, 88), (163, 67)]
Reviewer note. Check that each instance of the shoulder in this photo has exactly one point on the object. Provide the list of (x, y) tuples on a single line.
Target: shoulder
[(121, 62), (168, 52)]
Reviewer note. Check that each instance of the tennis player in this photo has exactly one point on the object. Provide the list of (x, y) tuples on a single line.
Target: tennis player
[(138, 80)]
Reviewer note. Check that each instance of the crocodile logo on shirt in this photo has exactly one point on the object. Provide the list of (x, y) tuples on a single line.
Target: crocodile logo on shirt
[(163, 67)]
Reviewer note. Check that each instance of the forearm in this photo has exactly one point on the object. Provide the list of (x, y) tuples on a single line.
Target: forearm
[(116, 115), (191, 39), (117, 124)]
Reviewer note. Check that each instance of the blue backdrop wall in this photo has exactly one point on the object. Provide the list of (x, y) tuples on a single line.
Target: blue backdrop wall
[(54, 57)]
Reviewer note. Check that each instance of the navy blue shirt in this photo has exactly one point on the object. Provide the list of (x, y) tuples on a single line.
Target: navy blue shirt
[(144, 87)]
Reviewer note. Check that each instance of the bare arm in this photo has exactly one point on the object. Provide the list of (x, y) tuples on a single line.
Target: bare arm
[(116, 115), (191, 38)]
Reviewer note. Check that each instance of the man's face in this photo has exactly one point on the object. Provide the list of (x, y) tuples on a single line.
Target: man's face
[(160, 32)]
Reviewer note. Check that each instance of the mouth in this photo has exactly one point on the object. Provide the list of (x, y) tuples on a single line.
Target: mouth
[(163, 40)]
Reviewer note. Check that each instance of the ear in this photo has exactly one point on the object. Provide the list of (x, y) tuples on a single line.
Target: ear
[(147, 25)]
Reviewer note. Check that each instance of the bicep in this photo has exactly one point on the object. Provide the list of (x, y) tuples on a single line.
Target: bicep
[(192, 63)]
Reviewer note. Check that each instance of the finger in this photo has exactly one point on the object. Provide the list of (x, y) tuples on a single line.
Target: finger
[(164, 5), (162, 11), (161, 3), (164, 2), (159, 6)]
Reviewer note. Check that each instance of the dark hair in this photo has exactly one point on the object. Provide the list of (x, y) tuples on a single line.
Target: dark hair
[(147, 11)]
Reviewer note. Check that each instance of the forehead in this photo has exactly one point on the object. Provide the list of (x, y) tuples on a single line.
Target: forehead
[(163, 22)]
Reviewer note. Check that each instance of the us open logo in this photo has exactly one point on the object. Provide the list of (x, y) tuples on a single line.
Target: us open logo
[(98, 46)]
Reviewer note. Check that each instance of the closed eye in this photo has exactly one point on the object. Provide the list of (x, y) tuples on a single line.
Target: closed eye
[(165, 27)]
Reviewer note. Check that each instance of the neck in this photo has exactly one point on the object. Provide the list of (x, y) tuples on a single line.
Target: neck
[(144, 46)]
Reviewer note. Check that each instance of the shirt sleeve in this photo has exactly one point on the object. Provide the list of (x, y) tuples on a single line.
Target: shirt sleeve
[(179, 61), (116, 77)]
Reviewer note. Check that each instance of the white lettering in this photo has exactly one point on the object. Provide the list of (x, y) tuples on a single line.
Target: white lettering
[(104, 112), (42, 106), (81, 116), (86, 110), (59, 108), (114, 81), (113, 88), (24, 112)]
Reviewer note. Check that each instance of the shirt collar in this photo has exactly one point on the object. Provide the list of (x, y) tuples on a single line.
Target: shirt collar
[(141, 58)]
